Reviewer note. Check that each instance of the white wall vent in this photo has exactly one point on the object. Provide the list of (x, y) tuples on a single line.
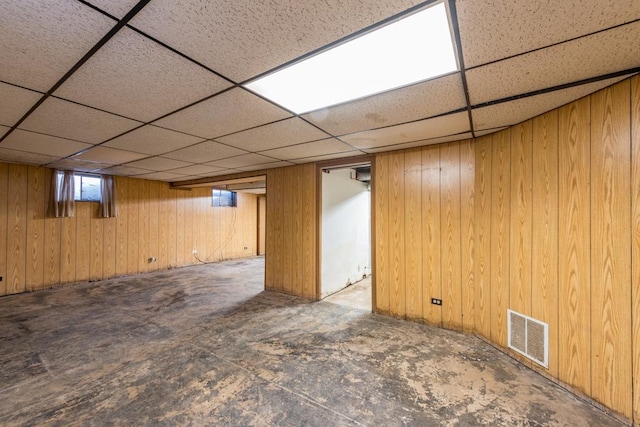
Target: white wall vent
[(529, 337)]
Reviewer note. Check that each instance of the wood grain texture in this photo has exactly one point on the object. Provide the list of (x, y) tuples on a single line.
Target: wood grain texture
[(4, 221), (297, 229), (611, 248), (574, 280), (544, 205), (122, 222), (413, 232), (154, 224), (187, 229), (143, 225), (262, 224), (83, 243), (467, 236), (274, 258), (133, 203), (287, 230), (500, 220), (51, 241), (635, 235), (450, 236), (482, 265), (163, 226), (35, 229), (381, 206), (17, 229), (109, 247), (172, 233), (397, 290), (96, 225), (431, 248), (68, 249)]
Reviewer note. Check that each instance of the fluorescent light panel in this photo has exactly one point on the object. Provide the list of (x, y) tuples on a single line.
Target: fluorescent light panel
[(415, 48)]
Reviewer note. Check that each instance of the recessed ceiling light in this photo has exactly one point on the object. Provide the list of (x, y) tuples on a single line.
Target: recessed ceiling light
[(415, 48)]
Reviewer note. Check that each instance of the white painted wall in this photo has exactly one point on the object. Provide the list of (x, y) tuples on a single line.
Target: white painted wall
[(346, 231)]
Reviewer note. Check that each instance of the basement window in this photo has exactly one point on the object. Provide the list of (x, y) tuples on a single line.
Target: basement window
[(408, 50), (86, 188), (224, 198)]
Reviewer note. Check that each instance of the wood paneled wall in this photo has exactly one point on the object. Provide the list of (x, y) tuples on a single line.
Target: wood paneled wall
[(291, 231), (37, 252), (424, 238)]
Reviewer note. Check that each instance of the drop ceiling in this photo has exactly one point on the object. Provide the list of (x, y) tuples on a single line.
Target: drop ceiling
[(154, 89)]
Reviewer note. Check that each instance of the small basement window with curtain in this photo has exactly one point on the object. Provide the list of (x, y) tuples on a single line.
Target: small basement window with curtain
[(224, 198), (87, 188)]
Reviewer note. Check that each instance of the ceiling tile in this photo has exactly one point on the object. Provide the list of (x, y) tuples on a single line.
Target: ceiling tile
[(240, 161), (153, 140), (269, 165), (243, 39), (136, 77), (42, 40), (207, 151), (223, 114), (159, 164), (108, 155), (117, 8), (42, 144), (197, 170), (419, 101), (3, 130), (124, 170), (410, 132), (274, 135), (162, 176), (592, 56), (327, 157), (441, 140), (513, 112), (495, 29), (68, 120), (78, 165), (317, 148), (14, 156), (15, 102)]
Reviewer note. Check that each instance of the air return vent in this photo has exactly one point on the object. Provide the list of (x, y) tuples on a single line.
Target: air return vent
[(529, 337)]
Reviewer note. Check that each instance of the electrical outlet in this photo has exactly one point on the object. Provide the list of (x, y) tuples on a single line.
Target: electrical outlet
[(436, 301), (0, 278), (152, 259), (195, 252)]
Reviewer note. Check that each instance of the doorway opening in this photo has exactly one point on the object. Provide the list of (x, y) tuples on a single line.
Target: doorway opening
[(345, 224)]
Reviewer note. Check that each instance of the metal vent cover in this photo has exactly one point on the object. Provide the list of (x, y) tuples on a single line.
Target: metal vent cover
[(529, 337)]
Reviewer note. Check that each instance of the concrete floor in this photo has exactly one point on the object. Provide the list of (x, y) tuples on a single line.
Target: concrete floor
[(206, 345)]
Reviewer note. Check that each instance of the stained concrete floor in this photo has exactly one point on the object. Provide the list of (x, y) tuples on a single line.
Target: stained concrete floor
[(206, 345)]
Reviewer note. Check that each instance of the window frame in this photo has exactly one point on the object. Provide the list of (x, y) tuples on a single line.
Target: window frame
[(221, 200), (77, 176)]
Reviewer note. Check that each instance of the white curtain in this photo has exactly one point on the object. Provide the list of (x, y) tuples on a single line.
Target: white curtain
[(61, 202), (108, 205)]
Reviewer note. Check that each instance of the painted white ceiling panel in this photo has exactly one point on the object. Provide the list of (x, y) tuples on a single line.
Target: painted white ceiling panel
[(269, 165), (494, 29), (117, 8), (8, 155), (17, 103), (414, 102), (596, 55), (441, 140), (326, 157), (42, 144), (68, 120), (317, 148), (197, 170), (137, 78), (78, 165), (159, 164), (108, 155), (207, 151), (41, 41), (229, 112), (242, 161), (243, 39), (162, 176), (153, 140), (511, 113), (410, 132), (124, 170), (274, 135)]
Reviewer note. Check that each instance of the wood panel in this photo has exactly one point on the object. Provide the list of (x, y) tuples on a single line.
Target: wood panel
[(288, 230), (17, 229), (574, 280), (635, 232), (297, 230), (187, 200), (180, 221), (483, 200), (431, 249), (96, 225), (262, 223), (52, 238), (467, 239), (381, 274), (4, 221), (274, 260), (109, 247), (133, 203), (35, 229), (68, 249), (544, 208), (500, 214), (450, 236), (122, 223), (172, 234), (611, 248), (413, 232), (143, 225), (309, 242), (397, 294), (154, 223), (83, 240), (164, 202)]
